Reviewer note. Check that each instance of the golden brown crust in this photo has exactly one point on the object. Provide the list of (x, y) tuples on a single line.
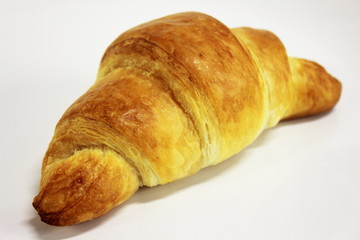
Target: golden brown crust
[(172, 96), (79, 188), (218, 64), (315, 90), (270, 57)]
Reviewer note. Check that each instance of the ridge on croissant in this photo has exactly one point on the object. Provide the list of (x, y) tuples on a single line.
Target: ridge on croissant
[(172, 96)]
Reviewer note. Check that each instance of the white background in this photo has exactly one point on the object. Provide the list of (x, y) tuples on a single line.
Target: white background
[(299, 180)]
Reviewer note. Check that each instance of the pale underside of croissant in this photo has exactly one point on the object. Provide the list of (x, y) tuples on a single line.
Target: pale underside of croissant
[(172, 96)]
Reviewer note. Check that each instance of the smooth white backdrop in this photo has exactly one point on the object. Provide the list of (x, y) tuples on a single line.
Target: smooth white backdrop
[(299, 180)]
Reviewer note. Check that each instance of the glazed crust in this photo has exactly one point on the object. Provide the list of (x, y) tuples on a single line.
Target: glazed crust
[(172, 96)]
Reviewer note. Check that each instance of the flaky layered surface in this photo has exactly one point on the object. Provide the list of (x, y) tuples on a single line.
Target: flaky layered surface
[(172, 96)]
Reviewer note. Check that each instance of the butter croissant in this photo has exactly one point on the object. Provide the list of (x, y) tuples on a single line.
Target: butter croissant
[(172, 96)]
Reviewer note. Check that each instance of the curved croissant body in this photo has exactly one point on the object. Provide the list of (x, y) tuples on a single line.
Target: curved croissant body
[(172, 96)]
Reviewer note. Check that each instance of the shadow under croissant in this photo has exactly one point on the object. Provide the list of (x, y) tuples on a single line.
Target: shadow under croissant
[(146, 194)]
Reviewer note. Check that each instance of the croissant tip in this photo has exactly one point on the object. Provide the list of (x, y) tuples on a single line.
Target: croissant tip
[(51, 219), (48, 218), (81, 187)]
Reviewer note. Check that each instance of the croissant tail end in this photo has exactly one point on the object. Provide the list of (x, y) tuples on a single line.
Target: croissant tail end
[(315, 90), (83, 187)]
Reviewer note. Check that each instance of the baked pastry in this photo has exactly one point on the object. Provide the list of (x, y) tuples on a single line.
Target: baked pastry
[(172, 96)]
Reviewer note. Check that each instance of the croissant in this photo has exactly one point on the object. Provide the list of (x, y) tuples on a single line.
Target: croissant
[(172, 96)]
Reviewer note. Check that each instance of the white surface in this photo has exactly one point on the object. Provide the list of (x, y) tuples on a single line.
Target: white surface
[(300, 180)]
